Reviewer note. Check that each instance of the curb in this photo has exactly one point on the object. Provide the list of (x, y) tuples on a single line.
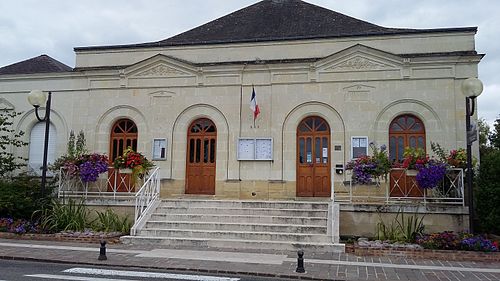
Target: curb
[(180, 269)]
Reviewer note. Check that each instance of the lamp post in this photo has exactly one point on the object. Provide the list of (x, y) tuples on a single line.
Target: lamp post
[(471, 88), (38, 98)]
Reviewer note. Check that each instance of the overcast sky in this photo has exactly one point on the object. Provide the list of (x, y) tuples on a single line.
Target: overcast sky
[(29, 28)]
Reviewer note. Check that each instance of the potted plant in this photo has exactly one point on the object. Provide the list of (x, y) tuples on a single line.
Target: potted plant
[(412, 158), (367, 168), (134, 163)]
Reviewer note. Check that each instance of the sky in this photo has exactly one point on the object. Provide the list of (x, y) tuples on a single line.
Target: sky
[(29, 28)]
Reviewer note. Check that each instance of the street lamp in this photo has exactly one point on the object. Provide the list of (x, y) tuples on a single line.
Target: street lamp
[(471, 88), (37, 98)]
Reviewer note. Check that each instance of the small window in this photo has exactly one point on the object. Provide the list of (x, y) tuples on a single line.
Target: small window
[(359, 147), (159, 149)]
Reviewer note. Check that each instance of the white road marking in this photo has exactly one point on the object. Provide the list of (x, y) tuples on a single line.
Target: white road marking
[(405, 266), (215, 256), (123, 273), (75, 278)]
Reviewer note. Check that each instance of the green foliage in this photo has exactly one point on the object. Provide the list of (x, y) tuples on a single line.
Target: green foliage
[(402, 228), (487, 193), (439, 151), (484, 134), (20, 196), (109, 221), (9, 138), (70, 216), (495, 135)]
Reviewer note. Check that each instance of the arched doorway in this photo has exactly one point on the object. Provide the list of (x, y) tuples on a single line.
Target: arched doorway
[(405, 131), (123, 134), (200, 159), (313, 158)]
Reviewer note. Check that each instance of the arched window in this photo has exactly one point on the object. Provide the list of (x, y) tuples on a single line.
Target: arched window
[(405, 131), (37, 141), (123, 135)]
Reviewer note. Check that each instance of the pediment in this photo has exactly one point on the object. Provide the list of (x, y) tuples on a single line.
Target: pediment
[(359, 58), (358, 88), (6, 105), (160, 66)]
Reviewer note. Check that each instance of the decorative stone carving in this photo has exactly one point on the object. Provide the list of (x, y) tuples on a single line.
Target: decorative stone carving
[(161, 70), (359, 63)]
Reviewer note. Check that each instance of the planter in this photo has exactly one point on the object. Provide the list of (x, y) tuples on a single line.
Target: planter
[(411, 173), (125, 171)]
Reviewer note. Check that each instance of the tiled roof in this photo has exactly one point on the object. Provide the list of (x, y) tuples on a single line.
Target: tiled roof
[(277, 20), (40, 64)]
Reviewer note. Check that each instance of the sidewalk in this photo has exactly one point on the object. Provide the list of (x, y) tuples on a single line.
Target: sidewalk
[(318, 266)]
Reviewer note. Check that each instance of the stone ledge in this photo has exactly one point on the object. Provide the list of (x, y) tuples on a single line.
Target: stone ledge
[(424, 253), (110, 239)]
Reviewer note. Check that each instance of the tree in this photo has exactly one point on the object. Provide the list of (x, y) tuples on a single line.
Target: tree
[(484, 134), (9, 138), (495, 135)]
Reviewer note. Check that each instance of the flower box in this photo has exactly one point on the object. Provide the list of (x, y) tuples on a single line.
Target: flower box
[(125, 171), (411, 173)]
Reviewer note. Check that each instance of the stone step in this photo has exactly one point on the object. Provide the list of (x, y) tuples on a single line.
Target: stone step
[(256, 227), (234, 235), (179, 242), (243, 211), (319, 221), (245, 204)]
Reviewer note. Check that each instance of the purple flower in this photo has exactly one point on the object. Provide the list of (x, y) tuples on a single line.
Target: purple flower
[(430, 174)]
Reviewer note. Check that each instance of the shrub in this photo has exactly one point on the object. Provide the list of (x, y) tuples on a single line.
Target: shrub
[(20, 196), (487, 193), (402, 228)]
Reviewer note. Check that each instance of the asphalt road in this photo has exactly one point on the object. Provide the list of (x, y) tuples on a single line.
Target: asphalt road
[(12, 270)]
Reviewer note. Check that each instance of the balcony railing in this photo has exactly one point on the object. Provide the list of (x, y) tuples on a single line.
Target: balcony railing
[(401, 186), (113, 183)]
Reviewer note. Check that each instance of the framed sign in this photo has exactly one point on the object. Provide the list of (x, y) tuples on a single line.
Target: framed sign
[(255, 149), (159, 149)]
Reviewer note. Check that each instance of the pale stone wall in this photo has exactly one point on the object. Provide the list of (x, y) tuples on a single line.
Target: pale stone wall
[(357, 89)]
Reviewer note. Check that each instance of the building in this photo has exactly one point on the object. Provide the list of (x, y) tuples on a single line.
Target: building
[(326, 84)]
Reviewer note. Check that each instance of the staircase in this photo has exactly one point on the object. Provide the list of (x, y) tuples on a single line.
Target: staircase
[(285, 225)]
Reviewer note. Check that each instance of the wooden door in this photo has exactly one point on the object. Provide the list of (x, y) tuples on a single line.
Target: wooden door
[(200, 160), (313, 158), (123, 134)]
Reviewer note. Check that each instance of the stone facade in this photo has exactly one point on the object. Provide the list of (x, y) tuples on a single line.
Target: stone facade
[(358, 85)]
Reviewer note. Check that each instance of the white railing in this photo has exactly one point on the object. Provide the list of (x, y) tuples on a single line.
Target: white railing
[(146, 199), (401, 187), (111, 183)]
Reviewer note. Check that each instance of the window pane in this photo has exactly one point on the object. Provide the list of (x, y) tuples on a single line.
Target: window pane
[(417, 128), (325, 151), (317, 150), (301, 150), (413, 142), (401, 148), (120, 147), (392, 149), (205, 151), (212, 151), (309, 150), (191, 150), (198, 150), (396, 127), (322, 127), (421, 142)]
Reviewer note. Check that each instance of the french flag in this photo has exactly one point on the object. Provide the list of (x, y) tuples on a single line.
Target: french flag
[(253, 105)]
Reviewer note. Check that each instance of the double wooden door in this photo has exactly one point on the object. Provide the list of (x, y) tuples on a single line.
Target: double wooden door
[(200, 161), (313, 158)]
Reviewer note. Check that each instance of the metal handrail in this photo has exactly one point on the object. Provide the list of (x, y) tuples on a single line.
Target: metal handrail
[(146, 199)]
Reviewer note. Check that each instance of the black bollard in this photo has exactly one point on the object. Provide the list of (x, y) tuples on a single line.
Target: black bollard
[(300, 262), (102, 251)]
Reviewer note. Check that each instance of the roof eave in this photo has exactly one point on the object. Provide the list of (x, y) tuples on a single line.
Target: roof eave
[(173, 44)]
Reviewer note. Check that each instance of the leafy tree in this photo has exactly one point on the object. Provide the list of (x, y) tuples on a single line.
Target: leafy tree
[(484, 134), (495, 135), (9, 138), (487, 193)]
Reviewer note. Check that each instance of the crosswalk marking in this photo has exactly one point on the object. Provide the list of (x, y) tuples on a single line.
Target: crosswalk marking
[(75, 278), (123, 273)]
